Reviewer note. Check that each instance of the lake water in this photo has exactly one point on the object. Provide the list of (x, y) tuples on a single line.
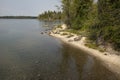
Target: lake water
[(25, 54)]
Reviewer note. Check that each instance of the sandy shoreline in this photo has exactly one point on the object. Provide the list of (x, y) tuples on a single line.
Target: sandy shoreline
[(111, 61)]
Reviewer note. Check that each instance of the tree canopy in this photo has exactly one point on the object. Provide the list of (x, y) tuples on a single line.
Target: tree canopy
[(102, 19)]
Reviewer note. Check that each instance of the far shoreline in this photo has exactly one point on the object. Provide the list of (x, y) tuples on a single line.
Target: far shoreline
[(18, 17)]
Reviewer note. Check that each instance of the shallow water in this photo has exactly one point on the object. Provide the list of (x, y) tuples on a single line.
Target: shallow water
[(25, 54)]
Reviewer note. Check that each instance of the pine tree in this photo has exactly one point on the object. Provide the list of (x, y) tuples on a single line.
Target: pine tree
[(81, 9), (75, 12), (109, 21), (109, 12), (66, 12)]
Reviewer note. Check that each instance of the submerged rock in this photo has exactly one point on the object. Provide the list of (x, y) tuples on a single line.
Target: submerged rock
[(45, 31), (49, 33), (42, 33)]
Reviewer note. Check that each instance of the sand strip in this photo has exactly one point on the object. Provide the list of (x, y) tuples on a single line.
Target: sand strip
[(111, 61)]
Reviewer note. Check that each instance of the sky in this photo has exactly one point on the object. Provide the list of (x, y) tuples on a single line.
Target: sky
[(26, 7)]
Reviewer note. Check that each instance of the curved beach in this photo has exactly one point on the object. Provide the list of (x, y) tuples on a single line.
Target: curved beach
[(110, 61)]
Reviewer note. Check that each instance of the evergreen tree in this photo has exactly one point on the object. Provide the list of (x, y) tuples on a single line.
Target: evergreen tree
[(81, 9), (75, 12), (109, 21), (109, 12), (66, 4)]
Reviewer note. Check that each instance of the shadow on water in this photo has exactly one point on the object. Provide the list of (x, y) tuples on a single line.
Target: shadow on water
[(77, 65)]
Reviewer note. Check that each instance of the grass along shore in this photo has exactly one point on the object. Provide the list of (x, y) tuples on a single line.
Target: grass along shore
[(110, 61)]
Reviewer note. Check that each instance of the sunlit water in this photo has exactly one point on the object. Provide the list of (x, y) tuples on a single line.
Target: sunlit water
[(26, 54)]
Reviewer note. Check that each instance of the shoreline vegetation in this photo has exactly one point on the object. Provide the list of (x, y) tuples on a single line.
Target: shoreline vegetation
[(110, 61), (100, 21), (18, 17)]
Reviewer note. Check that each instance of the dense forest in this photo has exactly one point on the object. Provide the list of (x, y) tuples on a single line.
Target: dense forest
[(100, 20), (50, 15)]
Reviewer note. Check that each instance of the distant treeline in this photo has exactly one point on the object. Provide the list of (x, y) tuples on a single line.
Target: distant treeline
[(50, 15), (18, 17)]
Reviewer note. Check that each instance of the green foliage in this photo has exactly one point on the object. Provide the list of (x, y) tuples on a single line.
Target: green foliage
[(100, 20), (82, 9), (66, 6), (64, 33), (59, 26), (109, 20), (112, 35), (109, 12), (76, 23), (73, 31), (93, 35), (76, 12), (92, 18), (93, 46)]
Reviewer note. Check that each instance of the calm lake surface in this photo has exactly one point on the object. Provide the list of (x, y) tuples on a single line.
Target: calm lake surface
[(25, 54)]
